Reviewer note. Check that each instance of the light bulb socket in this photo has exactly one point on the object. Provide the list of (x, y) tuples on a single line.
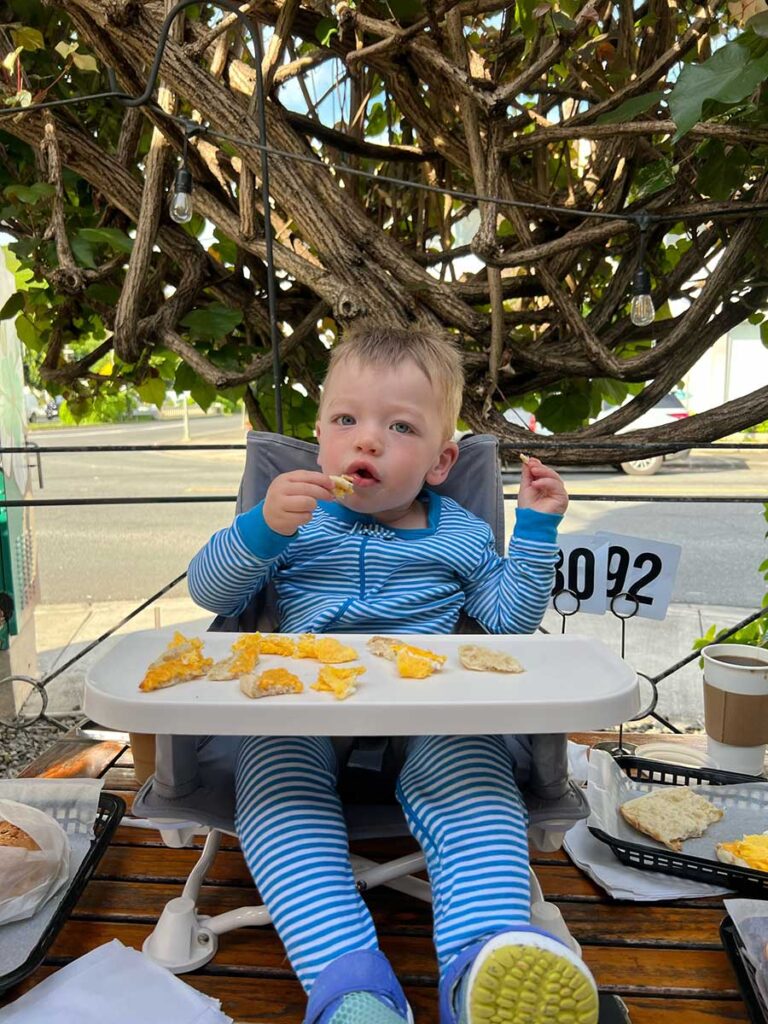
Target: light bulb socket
[(182, 183), (641, 282)]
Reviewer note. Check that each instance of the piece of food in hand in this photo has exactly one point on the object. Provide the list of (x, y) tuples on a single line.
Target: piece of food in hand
[(12, 835), (235, 665), (525, 459), (342, 485), (341, 682), (389, 647), (671, 815), (273, 682), (306, 646), (275, 643), (331, 651), (747, 852), (181, 661), (486, 659)]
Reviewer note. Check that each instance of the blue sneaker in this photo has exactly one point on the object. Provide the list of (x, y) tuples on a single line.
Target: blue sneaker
[(520, 976), (358, 988)]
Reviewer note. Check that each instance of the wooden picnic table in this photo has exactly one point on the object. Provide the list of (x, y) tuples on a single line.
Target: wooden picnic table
[(665, 960)]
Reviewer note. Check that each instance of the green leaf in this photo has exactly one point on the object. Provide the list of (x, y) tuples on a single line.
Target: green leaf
[(29, 194), (83, 251), (764, 333), (212, 321), (28, 38), (325, 30), (721, 173), (152, 391), (203, 394), (759, 24), (755, 318), (630, 108), (9, 61), (83, 62), (113, 237), (730, 74), (652, 178), (14, 305), (563, 412), (65, 49)]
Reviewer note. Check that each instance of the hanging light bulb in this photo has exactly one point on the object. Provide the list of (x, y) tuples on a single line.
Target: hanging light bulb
[(181, 197), (642, 311)]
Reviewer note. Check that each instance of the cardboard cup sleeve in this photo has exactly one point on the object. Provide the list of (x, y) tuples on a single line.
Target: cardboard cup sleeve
[(738, 719)]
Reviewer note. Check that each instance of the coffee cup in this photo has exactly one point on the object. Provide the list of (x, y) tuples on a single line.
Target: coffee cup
[(736, 706), (143, 749)]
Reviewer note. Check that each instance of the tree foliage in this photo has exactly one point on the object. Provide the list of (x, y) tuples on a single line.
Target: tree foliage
[(599, 106)]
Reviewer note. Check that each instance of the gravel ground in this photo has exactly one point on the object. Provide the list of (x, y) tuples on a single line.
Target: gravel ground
[(20, 746)]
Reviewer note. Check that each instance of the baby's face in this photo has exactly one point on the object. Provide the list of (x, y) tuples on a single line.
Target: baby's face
[(384, 428)]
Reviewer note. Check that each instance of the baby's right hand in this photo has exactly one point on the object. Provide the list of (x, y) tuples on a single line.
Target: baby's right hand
[(293, 497)]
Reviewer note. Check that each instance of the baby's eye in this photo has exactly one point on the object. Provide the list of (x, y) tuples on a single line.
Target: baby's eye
[(345, 420), (402, 428)]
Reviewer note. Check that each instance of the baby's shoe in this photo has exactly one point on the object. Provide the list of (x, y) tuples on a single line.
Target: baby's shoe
[(520, 976), (358, 988)]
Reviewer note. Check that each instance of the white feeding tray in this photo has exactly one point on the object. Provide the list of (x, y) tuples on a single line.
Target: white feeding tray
[(569, 683)]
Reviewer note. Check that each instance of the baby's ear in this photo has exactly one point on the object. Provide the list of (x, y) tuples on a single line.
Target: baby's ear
[(444, 464)]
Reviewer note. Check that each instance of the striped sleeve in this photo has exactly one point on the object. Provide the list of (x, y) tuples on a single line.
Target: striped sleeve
[(510, 595), (236, 563)]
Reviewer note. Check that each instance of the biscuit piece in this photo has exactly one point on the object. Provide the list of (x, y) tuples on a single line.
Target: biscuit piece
[(485, 659), (331, 651), (747, 852), (271, 683), (342, 486), (525, 459), (247, 642), (12, 835), (181, 661), (306, 646), (274, 643), (413, 666), (341, 682), (671, 815)]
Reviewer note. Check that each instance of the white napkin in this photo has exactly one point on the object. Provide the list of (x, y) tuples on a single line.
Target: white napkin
[(116, 984), (622, 882)]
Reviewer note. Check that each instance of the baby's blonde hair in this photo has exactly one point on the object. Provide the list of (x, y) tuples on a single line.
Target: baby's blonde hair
[(437, 355)]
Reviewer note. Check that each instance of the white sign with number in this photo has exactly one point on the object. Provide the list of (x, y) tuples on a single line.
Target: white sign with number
[(599, 567)]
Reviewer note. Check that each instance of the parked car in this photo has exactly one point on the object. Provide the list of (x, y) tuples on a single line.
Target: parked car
[(667, 410), (39, 408)]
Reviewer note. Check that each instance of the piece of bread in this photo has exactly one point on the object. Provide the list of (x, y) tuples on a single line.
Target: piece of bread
[(276, 643), (235, 665), (525, 459), (486, 659), (271, 683), (747, 852), (390, 647), (342, 486), (331, 651), (12, 835), (671, 815)]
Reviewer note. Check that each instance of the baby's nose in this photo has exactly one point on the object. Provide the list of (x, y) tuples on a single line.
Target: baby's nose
[(368, 441)]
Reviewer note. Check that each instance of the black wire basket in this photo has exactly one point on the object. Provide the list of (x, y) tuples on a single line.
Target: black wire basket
[(743, 969), (749, 881), (108, 815)]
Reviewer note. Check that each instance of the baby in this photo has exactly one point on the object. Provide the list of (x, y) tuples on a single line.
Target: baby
[(394, 556)]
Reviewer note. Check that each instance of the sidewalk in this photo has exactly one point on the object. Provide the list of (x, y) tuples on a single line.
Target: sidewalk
[(65, 629)]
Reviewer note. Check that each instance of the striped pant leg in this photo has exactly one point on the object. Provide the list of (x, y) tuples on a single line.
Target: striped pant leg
[(292, 831), (462, 804)]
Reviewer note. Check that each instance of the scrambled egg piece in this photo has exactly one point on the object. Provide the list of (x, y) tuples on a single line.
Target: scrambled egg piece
[(274, 643), (306, 646), (753, 850), (181, 661), (413, 666), (248, 642), (338, 681), (342, 485), (271, 683), (331, 651)]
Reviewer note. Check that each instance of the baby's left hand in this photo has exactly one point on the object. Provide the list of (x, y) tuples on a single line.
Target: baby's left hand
[(541, 489)]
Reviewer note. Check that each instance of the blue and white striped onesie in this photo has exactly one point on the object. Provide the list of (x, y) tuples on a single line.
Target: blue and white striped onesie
[(345, 572)]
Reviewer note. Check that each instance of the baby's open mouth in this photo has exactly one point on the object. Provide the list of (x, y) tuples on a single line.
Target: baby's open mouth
[(362, 476)]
